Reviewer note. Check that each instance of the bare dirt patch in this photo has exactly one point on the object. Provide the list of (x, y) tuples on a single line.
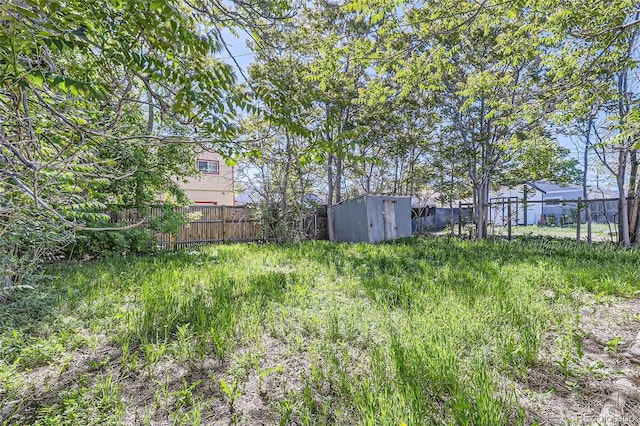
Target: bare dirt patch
[(579, 383)]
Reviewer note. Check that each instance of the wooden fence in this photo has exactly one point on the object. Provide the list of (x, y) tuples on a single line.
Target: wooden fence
[(205, 224)]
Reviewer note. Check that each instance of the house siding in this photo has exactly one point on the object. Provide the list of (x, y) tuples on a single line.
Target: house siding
[(534, 211), (211, 188)]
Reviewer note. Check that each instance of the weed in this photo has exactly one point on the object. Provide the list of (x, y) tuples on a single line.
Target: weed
[(152, 354), (232, 393), (285, 409), (416, 331), (262, 375), (184, 396), (100, 405), (99, 365), (613, 346)]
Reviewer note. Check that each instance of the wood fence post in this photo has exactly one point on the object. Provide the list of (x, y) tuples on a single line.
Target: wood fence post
[(509, 219), (588, 213), (224, 223), (578, 220), (459, 219)]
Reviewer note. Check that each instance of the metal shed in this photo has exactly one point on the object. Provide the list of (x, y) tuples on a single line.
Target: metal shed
[(372, 218)]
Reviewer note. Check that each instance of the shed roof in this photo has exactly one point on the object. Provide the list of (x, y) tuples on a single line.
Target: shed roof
[(371, 195)]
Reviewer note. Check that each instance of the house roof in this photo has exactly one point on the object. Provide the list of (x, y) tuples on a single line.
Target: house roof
[(433, 199), (548, 187), (595, 194)]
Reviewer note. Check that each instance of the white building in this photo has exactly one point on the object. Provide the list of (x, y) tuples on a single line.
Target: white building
[(531, 200)]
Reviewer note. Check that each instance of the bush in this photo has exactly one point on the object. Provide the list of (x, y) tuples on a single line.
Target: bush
[(127, 241), (278, 225), (29, 238), (138, 240), (551, 220)]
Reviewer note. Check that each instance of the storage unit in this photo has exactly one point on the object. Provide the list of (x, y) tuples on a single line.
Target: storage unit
[(372, 218)]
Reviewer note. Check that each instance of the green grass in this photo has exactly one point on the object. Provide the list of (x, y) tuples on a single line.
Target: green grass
[(418, 331), (600, 232)]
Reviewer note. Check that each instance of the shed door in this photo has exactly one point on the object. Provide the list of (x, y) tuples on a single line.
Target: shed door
[(389, 217)]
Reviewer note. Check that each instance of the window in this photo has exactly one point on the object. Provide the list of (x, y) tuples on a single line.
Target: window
[(553, 201), (208, 166)]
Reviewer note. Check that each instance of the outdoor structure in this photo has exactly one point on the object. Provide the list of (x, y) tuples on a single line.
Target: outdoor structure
[(372, 218), (214, 184), (532, 200), (424, 220), (205, 224), (604, 210)]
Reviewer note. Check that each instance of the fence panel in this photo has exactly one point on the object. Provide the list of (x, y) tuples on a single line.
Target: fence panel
[(205, 224)]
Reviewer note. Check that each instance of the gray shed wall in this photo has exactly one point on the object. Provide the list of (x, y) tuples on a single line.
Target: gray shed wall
[(375, 209), (350, 221), (361, 219)]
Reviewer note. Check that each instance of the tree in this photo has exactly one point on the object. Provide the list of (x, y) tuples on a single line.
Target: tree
[(104, 101), (310, 80), (591, 69), (482, 65)]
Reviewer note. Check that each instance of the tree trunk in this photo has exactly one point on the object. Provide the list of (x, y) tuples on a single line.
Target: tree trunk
[(330, 198), (634, 226), (411, 168), (623, 110), (284, 186), (585, 190), (395, 176), (482, 207), (338, 184), (633, 189), (482, 202), (451, 215), (634, 219), (623, 217)]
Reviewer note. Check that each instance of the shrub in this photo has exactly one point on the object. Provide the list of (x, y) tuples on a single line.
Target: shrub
[(280, 225), (29, 238), (98, 243), (138, 240)]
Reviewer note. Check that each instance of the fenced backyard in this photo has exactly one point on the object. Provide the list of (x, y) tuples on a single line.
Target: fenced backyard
[(592, 220), (584, 220), (219, 224), (204, 224), (483, 333)]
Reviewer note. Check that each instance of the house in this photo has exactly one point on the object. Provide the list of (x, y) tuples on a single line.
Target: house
[(531, 200), (372, 218), (214, 184), (604, 206)]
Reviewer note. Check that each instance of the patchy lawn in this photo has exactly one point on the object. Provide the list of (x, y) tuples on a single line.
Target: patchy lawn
[(600, 232), (419, 331)]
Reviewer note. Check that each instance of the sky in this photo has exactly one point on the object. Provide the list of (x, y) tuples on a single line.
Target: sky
[(238, 47), (243, 56)]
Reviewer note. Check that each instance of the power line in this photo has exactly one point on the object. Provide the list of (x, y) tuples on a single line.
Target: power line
[(237, 56)]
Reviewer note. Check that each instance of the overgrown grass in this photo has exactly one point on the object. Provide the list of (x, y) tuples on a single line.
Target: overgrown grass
[(418, 331)]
